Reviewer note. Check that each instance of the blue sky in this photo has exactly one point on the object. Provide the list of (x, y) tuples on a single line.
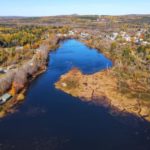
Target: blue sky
[(63, 7)]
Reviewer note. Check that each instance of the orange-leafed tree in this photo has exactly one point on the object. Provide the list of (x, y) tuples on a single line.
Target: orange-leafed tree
[(13, 90)]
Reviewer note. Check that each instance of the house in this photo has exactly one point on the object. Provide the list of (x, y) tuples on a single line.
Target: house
[(84, 34), (59, 35), (137, 41), (19, 48), (122, 33), (138, 34), (4, 98), (127, 38), (113, 36), (145, 43), (65, 35), (2, 71), (71, 33)]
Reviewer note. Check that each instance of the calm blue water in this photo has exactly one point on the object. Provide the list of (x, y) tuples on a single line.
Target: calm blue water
[(74, 54), (52, 120)]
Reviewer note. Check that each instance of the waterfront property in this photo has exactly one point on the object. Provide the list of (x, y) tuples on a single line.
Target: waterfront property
[(51, 119), (4, 98)]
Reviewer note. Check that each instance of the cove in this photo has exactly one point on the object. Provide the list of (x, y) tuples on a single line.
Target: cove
[(49, 119)]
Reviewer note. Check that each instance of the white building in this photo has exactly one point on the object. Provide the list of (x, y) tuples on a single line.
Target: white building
[(71, 33), (127, 38)]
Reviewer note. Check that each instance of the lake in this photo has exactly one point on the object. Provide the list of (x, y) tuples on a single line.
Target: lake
[(49, 119)]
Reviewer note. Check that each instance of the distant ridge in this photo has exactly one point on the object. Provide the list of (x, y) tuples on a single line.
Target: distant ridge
[(73, 15)]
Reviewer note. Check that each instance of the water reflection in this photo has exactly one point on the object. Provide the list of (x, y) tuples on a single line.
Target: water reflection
[(50, 119)]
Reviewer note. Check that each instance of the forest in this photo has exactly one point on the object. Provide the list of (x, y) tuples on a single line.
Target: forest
[(23, 52)]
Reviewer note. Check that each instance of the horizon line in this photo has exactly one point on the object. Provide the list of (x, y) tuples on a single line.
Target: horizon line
[(76, 15)]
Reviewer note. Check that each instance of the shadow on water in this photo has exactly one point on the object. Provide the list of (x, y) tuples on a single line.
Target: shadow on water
[(52, 120)]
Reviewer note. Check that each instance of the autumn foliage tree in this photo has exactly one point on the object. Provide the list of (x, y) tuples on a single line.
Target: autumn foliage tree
[(19, 80)]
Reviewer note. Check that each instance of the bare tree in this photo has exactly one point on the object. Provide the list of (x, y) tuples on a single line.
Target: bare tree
[(20, 79), (6, 82)]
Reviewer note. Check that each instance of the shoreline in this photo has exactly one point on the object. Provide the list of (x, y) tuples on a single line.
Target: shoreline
[(101, 88), (136, 107), (9, 106)]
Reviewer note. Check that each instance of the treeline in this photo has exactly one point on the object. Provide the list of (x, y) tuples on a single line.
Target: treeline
[(16, 80), (21, 36), (19, 44), (24, 51), (11, 56), (31, 35)]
